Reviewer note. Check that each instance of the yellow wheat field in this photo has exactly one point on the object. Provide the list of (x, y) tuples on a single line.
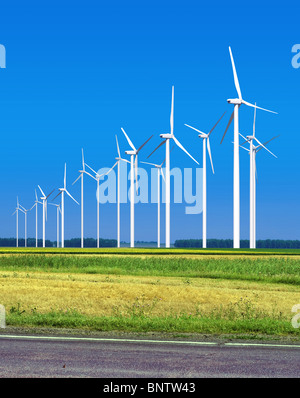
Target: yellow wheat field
[(101, 294)]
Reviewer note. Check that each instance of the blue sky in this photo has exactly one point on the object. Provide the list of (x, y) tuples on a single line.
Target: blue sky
[(79, 71)]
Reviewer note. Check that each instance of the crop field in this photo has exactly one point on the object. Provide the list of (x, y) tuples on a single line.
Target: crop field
[(232, 292)]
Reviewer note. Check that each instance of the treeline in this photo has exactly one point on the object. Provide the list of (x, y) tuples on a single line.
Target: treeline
[(228, 243), (75, 242)]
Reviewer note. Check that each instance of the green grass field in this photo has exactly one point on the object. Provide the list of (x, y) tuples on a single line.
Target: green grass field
[(242, 292)]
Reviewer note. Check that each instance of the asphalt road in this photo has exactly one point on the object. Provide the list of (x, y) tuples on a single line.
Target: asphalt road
[(26, 357)]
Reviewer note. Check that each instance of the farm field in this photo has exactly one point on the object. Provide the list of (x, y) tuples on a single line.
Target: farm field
[(241, 293)]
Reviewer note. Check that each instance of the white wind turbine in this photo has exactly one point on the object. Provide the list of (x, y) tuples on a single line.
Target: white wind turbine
[(25, 211), (36, 202), (252, 152), (159, 173), (81, 172), (44, 201), (167, 138), (97, 178), (58, 210), (237, 102), (133, 170), (18, 208), (62, 192), (206, 145), (118, 159)]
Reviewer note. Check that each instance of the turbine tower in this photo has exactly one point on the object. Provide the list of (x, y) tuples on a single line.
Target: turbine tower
[(44, 201), (81, 172), (36, 202), (206, 145), (237, 102), (167, 138), (18, 208), (118, 159), (58, 210), (97, 178), (62, 192), (25, 211), (252, 152), (133, 170), (159, 173)]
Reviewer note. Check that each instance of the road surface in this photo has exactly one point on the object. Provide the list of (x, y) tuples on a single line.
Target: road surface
[(61, 357)]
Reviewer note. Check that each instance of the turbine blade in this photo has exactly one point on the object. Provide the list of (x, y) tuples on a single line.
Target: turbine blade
[(257, 107), (110, 169), (68, 193), (128, 139), (91, 168), (14, 212), (254, 121), (144, 144), (83, 164), (172, 112), (209, 152), (118, 149), (243, 138), (80, 174), (57, 195), (229, 123), (36, 198), (262, 145), (254, 161), (151, 164), (157, 147), (236, 80), (194, 129), (246, 149), (50, 193), (90, 175), (41, 191), (65, 176), (166, 158), (32, 207), (162, 174), (125, 160), (216, 124), (136, 173), (265, 143), (183, 149)]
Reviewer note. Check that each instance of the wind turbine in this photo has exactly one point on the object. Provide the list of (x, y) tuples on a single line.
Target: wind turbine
[(25, 211), (237, 102), (167, 138), (118, 159), (62, 192), (44, 201), (97, 178), (81, 172), (133, 170), (206, 144), (159, 173), (18, 208), (58, 210), (252, 152), (36, 217)]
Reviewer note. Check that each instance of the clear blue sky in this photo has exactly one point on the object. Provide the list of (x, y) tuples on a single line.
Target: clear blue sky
[(78, 71)]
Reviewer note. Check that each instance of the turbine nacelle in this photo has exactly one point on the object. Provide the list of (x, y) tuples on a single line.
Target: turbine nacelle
[(235, 101), (167, 136)]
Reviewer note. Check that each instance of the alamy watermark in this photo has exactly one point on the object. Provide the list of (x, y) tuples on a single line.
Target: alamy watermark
[(186, 187), (2, 56), (296, 318), (296, 57)]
